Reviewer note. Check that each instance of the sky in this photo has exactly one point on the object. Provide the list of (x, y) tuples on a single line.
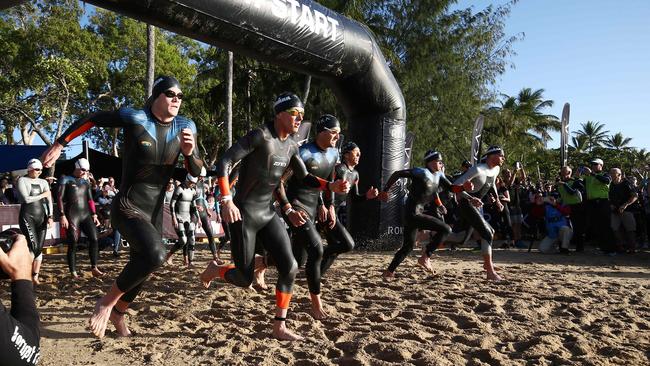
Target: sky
[(593, 54)]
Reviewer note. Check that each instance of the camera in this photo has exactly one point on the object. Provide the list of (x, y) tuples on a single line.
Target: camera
[(7, 239)]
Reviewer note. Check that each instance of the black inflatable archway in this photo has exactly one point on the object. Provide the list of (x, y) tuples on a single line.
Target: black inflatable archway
[(304, 36)]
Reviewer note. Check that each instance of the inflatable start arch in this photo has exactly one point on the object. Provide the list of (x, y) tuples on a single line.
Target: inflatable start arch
[(304, 36)]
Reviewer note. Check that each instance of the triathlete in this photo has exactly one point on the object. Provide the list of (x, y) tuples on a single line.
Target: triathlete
[(201, 202), (154, 138), (425, 183), (78, 214), (35, 212), (265, 153), (320, 157), (471, 188), (184, 217)]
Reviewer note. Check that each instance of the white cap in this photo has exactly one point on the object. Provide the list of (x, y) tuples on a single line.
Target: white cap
[(82, 163), (34, 164), (597, 161), (203, 172), (191, 178)]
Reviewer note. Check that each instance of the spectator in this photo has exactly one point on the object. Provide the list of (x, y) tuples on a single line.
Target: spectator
[(597, 206), (557, 226), (7, 196), (112, 189), (19, 329), (571, 194), (621, 197), (169, 191), (105, 198)]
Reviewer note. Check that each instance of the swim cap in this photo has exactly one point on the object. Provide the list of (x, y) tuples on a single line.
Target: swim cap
[(160, 85), (287, 101), (494, 149), (432, 155), (82, 164), (34, 164), (327, 122), (191, 178), (349, 147)]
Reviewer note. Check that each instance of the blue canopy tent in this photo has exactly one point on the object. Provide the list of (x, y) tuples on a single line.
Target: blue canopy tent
[(15, 157)]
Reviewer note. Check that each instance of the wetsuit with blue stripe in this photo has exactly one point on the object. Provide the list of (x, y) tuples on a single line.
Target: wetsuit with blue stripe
[(151, 150)]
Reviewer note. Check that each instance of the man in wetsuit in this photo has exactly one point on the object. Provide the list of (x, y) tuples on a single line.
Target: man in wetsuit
[(201, 202), (265, 153), (184, 218), (20, 328), (471, 188), (425, 183), (154, 138), (320, 157), (35, 212), (78, 214)]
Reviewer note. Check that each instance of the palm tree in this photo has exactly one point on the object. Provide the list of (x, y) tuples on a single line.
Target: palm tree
[(618, 142), (594, 133), (579, 144)]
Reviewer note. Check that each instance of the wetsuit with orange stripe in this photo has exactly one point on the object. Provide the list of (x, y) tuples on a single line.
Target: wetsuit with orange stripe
[(151, 150), (76, 203), (264, 158), (424, 187)]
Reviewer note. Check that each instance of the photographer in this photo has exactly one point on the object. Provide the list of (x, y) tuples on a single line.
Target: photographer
[(19, 328)]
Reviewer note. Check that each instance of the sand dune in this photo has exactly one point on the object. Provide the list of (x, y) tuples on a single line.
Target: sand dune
[(553, 309)]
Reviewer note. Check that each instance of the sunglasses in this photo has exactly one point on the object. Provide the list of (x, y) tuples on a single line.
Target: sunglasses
[(294, 112), (171, 94)]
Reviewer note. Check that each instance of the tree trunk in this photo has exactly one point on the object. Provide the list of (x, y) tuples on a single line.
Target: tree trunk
[(229, 97), (305, 93), (151, 58)]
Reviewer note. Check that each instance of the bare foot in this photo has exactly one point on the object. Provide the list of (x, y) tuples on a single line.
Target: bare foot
[(169, 260), (485, 267), (209, 274), (74, 275), (388, 276), (282, 333), (260, 270), (96, 272), (35, 279), (493, 276), (99, 319), (318, 313), (425, 263), (218, 260), (119, 324)]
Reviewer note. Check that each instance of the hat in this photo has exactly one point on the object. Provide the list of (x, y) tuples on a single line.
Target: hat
[(160, 85), (191, 178), (432, 155), (82, 163), (34, 164), (327, 122), (287, 101), (349, 147), (597, 161), (494, 149)]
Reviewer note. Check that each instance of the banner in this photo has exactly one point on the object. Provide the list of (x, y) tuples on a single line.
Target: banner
[(564, 136), (476, 140)]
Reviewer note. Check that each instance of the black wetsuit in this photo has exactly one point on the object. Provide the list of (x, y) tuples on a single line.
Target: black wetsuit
[(184, 212), (151, 150), (484, 180), (34, 213), (76, 203), (264, 158), (339, 240), (424, 186), (319, 163), (201, 201), (20, 327)]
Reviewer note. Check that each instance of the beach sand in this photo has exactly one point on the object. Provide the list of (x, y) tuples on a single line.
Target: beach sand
[(585, 309)]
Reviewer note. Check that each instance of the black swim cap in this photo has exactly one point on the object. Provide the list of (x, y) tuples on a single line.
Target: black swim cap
[(494, 149), (432, 155), (160, 85), (349, 147), (287, 101), (327, 122)]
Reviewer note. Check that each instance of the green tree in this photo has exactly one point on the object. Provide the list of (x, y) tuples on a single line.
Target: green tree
[(594, 134)]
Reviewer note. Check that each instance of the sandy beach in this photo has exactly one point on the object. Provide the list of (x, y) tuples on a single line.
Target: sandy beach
[(582, 309)]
